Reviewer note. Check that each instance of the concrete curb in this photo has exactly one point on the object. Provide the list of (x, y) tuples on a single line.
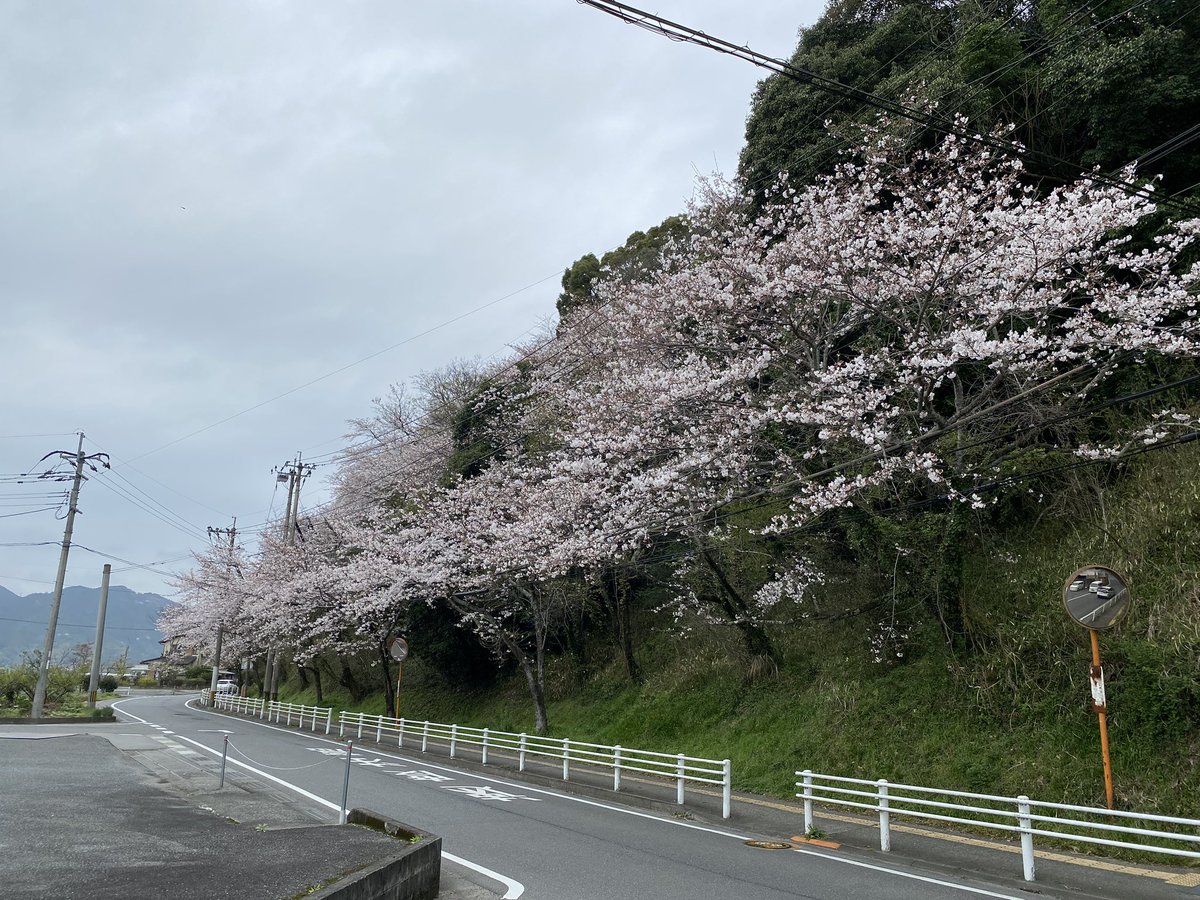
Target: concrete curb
[(61, 720), (413, 873)]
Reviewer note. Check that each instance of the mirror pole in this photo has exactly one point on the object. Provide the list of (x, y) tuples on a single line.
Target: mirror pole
[(1097, 677)]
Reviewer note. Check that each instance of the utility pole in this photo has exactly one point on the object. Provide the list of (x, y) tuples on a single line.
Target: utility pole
[(98, 646), (290, 478), (295, 472), (213, 532), (39, 694)]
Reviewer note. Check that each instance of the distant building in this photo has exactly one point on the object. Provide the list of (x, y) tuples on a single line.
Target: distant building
[(175, 655)]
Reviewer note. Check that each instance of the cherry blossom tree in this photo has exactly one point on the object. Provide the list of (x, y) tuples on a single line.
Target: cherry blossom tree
[(893, 332)]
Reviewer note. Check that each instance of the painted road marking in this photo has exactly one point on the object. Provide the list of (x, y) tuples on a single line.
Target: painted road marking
[(513, 889), (421, 775), (479, 792), (865, 865), (483, 792)]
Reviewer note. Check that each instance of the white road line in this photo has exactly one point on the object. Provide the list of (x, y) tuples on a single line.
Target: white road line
[(902, 874), (464, 773), (514, 889), (117, 706), (629, 812)]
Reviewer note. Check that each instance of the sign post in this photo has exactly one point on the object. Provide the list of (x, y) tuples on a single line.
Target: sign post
[(1097, 597), (398, 650), (1098, 704)]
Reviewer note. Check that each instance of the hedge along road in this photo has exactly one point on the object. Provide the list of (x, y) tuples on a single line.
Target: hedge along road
[(535, 843)]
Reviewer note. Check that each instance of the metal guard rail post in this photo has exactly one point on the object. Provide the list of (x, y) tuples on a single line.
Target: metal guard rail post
[(674, 767), (1020, 809)]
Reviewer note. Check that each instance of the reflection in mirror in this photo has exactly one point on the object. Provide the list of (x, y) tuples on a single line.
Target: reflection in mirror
[(1096, 597)]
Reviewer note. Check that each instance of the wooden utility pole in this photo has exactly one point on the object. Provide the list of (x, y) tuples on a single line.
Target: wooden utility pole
[(98, 646), (295, 471), (232, 532), (39, 694)]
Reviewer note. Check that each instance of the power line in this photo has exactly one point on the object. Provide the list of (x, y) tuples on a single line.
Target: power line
[(159, 562), (173, 522), (350, 365), (1061, 26), (15, 437), (149, 477), (71, 625), (33, 580), (128, 562), (685, 34), (29, 512)]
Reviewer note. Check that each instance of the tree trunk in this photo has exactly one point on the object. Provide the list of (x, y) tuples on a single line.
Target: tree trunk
[(730, 601), (615, 590), (532, 678), (949, 595), (389, 699), (317, 680), (349, 682), (316, 672)]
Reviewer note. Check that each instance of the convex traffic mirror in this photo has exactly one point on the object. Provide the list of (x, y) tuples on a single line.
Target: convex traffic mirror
[(1096, 597)]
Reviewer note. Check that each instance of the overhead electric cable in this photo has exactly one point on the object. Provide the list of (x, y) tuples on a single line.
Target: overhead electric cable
[(340, 369), (127, 562), (69, 624), (685, 34)]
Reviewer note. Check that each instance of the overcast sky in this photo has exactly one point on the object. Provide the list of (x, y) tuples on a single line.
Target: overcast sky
[(209, 204)]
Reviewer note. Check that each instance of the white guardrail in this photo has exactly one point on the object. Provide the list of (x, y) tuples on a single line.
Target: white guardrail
[(274, 711), (1018, 815), (673, 767)]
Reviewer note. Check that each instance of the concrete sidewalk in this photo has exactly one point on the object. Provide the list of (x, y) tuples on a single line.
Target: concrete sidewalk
[(105, 811)]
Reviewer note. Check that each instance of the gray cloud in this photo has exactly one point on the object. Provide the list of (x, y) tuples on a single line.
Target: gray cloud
[(207, 204)]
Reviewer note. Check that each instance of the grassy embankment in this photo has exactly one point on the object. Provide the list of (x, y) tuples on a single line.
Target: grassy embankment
[(1010, 716)]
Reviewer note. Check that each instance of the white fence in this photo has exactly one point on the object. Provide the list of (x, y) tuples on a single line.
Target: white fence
[(674, 767), (1015, 815), (274, 711), (247, 706)]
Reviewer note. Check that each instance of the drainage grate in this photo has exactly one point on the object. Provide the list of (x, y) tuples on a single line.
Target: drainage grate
[(769, 845)]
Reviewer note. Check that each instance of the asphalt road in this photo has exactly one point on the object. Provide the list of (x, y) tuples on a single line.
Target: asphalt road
[(1091, 609), (525, 841)]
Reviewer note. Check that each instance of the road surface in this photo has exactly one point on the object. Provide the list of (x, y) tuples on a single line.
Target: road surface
[(530, 842)]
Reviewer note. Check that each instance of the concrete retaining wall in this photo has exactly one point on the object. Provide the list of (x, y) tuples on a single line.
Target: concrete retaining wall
[(413, 873)]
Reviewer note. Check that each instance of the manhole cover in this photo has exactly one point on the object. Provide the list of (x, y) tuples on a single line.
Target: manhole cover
[(769, 845)]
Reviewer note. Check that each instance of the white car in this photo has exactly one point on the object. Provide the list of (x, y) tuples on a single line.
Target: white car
[(1095, 586), (1104, 592), (226, 686), (1078, 584)]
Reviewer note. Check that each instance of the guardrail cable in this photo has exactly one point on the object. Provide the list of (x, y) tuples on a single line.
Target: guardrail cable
[(277, 768)]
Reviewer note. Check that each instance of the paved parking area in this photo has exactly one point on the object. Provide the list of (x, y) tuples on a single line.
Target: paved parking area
[(112, 813)]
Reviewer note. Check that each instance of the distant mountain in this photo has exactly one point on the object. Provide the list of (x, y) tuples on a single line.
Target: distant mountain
[(129, 622)]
